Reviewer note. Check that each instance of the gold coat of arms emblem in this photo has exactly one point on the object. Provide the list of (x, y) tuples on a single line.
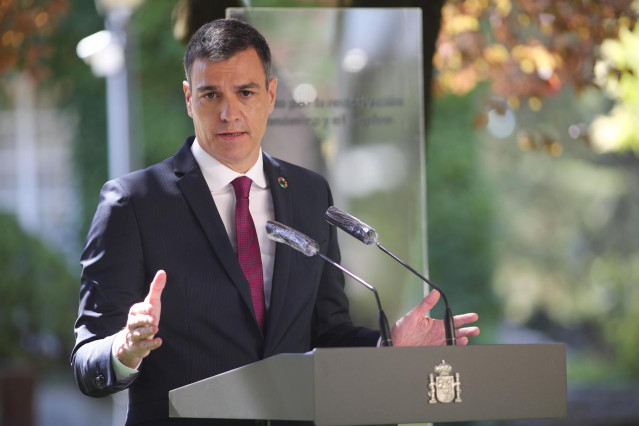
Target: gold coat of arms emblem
[(444, 387)]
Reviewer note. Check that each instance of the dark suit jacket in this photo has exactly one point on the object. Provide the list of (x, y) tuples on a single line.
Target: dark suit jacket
[(164, 217)]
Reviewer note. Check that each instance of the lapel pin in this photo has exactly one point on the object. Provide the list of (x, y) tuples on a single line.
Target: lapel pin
[(283, 183)]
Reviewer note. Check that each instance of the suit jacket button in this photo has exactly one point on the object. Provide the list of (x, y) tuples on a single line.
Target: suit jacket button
[(100, 380)]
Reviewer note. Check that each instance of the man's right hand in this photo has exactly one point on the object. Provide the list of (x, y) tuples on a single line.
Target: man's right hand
[(138, 339)]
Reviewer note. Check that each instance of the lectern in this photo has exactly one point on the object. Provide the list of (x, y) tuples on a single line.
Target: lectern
[(366, 386)]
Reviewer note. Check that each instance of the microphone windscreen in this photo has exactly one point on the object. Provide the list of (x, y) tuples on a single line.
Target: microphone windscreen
[(283, 234), (351, 225)]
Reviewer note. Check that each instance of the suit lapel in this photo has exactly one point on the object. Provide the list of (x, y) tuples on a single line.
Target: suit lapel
[(282, 205), (196, 192)]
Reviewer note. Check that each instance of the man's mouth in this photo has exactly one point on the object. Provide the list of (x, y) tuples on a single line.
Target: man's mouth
[(231, 134)]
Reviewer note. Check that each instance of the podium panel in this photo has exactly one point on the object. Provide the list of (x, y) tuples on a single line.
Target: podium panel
[(355, 386)]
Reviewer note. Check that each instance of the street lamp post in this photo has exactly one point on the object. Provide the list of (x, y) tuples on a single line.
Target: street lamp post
[(118, 130), (105, 51)]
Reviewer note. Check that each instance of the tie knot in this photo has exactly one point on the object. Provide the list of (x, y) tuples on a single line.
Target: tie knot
[(242, 186)]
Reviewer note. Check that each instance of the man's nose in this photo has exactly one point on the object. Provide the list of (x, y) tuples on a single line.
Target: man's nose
[(229, 109)]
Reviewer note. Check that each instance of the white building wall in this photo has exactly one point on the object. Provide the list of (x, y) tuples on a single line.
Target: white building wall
[(36, 172)]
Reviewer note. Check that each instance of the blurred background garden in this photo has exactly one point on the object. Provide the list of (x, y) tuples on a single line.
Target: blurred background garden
[(531, 162)]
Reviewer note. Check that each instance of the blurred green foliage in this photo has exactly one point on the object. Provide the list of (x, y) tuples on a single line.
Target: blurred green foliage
[(163, 123), (622, 322), (460, 212), (567, 236), (38, 292), (584, 369), (38, 300), (79, 92), (159, 121), (618, 74)]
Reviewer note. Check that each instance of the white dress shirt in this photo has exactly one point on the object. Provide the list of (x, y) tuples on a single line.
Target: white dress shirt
[(218, 178)]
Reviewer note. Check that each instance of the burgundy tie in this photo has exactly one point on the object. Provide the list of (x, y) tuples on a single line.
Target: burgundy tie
[(248, 248)]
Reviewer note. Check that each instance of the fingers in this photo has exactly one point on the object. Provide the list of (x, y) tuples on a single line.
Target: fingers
[(137, 320), (143, 333), (144, 317), (138, 337), (427, 303), (141, 329), (149, 345), (148, 311), (131, 347), (467, 332), (155, 290), (141, 341), (463, 334), (462, 341), (464, 319)]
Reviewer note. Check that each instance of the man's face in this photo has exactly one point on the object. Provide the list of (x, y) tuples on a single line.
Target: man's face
[(230, 104)]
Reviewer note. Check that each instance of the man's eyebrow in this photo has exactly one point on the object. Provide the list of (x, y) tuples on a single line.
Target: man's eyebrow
[(207, 88), (240, 87), (248, 86)]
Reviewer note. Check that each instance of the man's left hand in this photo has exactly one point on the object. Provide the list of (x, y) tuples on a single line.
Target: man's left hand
[(416, 328)]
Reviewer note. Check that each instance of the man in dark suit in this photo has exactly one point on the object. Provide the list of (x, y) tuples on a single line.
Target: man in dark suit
[(164, 299)]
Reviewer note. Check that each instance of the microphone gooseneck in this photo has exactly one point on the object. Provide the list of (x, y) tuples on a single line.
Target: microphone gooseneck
[(366, 234), (384, 328), (283, 234)]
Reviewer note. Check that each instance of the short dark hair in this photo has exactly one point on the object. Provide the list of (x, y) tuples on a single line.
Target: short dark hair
[(221, 39)]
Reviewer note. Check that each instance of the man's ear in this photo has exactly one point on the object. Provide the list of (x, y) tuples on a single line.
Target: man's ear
[(272, 89), (187, 97)]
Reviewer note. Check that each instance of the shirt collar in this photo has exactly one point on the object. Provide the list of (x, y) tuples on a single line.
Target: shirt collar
[(218, 176)]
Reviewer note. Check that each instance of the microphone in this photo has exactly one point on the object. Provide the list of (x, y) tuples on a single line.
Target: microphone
[(283, 234), (358, 229)]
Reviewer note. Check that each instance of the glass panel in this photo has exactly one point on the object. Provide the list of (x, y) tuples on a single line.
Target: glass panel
[(350, 106)]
